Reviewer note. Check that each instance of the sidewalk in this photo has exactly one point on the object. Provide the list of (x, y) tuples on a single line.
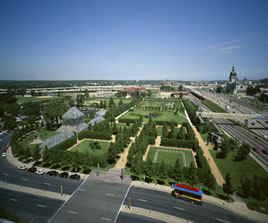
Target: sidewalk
[(238, 208), (30, 190)]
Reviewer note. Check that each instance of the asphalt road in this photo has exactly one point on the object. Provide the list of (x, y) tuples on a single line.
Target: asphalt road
[(94, 201), (166, 203), (29, 207), (133, 218), (11, 174)]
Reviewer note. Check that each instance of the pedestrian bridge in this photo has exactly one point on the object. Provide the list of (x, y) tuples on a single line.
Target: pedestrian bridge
[(263, 116)]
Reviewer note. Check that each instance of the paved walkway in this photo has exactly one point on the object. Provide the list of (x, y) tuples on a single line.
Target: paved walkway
[(214, 169), (238, 208), (121, 163)]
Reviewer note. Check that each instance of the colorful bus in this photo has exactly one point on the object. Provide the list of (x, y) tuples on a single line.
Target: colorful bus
[(188, 193)]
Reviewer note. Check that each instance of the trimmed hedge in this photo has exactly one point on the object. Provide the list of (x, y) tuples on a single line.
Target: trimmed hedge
[(128, 120), (151, 140), (66, 144), (158, 122), (178, 143), (94, 135)]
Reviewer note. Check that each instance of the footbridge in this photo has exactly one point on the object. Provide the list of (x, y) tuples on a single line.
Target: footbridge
[(263, 116)]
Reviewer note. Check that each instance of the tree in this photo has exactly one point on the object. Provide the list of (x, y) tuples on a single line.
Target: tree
[(246, 186), (111, 103), (192, 178), (162, 173), (227, 186), (54, 109), (148, 170), (36, 153), (242, 152), (165, 131), (177, 171), (45, 154), (112, 153)]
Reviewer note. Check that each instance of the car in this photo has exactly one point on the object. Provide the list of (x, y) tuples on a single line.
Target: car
[(265, 136), (4, 155), (64, 174), (74, 177), (255, 150), (22, 167), (40, 172), (265, 152), (32, 169), (52, 173)]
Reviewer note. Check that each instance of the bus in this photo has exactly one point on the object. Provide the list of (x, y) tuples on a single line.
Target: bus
[(187, 193)]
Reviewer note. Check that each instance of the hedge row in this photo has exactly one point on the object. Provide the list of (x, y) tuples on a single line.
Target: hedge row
[(94, 135), (158, 122), (66, 144), (128, 120), (179, 143)]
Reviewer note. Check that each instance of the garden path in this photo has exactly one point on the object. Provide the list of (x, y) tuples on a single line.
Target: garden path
[(214, 169), (121, 163)]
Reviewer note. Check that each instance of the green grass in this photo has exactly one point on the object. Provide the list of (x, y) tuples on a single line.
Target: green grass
[(160, 116), (214, 107), (246, 168), (204, 136), (169, 156), (159, 131), (84, 147), (122, 125), (22, 100), (45, 135)]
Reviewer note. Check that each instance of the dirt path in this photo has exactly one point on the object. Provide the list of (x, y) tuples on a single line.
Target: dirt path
[(214, 169), (121, 163)]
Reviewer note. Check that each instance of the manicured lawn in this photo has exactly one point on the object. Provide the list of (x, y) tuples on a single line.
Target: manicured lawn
[(246, 168), (84, 147), (45, 135), (159, 131), (22, 100), (169, 156), (160, 116), (204, 136)]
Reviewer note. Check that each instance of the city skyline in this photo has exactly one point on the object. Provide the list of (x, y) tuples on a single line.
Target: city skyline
[(129, 40)]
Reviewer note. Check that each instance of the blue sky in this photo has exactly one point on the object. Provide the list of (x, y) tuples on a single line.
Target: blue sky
[(133, 39)]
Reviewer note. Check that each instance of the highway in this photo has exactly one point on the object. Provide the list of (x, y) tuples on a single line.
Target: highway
[(29, 207), (166, 203), (11, 174), (240, 133)]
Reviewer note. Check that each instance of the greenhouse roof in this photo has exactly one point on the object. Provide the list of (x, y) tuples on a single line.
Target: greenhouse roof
[(56, 139), (73, 113), (101, 113), (97, 120)]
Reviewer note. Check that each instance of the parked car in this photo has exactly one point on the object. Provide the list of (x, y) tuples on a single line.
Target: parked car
[(22, 167), (256, 150), (265, 136), (52, 173), (64, 175), (32, 169), (4, 154), (40, 172), (265, 152), (75, 177)]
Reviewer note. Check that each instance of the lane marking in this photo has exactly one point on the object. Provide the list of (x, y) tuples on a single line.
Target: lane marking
[(107, 219), (67, 200), (12, 199), (47, 184), (72, 212), (111, 195), (82, 189), (5, 174), (39, 205), (179, 208), (142, 200), (122, 204), (222, 220), (24, 179)]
